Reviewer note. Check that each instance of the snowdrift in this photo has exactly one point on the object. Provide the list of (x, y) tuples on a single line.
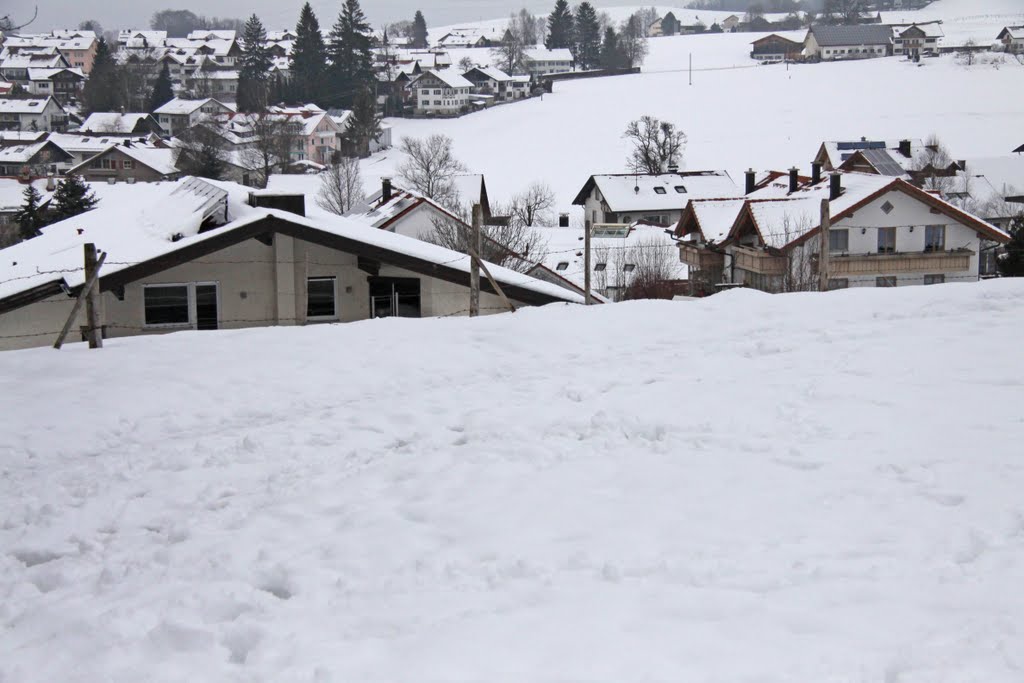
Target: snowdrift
[(746, 488)]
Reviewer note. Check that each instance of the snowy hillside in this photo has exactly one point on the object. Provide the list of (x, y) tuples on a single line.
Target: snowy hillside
[(747, 488)]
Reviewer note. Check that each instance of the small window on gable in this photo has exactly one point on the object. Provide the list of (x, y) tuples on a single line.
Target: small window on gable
[(562, 265), (659, 190), (681, 189)]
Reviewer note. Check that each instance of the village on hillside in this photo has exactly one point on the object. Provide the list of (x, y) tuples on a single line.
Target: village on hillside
[(236, 129)]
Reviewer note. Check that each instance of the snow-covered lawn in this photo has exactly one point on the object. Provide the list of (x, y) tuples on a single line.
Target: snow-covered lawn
[(747, 488)]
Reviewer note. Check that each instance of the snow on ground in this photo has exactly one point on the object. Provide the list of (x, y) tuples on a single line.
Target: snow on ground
[(745, 488)]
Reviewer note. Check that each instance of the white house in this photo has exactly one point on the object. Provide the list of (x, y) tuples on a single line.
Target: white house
[(440, 93), (32, 115), (1012, 39), (201, 255), (179, 115), (659, 199), (885, 232), (832, 43), (540, 61), (916, 40)]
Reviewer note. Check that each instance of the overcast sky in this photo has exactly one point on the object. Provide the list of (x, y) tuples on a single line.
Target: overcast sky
[(114, 14)]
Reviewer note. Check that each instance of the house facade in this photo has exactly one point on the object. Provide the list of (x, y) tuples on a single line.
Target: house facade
[(195, 266), (179, 115), (498, 84), (129, 164), (1012, 39), (440, 93), (917, 40), (775, 48), (540, 61), (32, 115), (32, 160), (834, 43), (65, 85)]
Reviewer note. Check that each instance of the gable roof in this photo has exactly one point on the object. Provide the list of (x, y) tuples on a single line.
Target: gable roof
[(657, 192), (543, 54), (182, 107), (1013, 32), (148, 228), (30, 106), (114, 122), (862, 34), (713, 218), (22, 154), (161, 160), (452, 80), (776, 38), (881, 160)]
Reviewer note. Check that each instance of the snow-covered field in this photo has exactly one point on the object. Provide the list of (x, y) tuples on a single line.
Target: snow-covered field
[(738, 114), (746, 488)]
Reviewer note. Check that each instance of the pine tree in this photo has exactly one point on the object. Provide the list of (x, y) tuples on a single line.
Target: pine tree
[(588, 36), (163, 91), (254, 74), (309, 58), (1012, 263), (365, 124), (102, 91), (72, 197), (611, 53), (561, 27), (351, 67), (30, 216), (419, 32)]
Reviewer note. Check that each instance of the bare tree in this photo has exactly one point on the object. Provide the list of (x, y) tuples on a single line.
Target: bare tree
[(512, 245), (633, 40), (931, 166), (466, 64), (341, 187), (532, 205), (430, 168), (511, 52), (966, 55), (654, 267), (272, 142), (657, 145), (801, 274)]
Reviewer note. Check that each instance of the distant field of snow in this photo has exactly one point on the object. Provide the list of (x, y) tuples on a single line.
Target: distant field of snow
[(747, 488)]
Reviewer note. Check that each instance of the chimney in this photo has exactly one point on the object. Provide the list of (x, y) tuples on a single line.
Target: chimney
[(905, 148), (127, 142), (815, 172), (292, 203), (750, 181), (835, 186), (794, 179), (563, 220), (50, 184), (385, 195), (673, 167), (962, 164)]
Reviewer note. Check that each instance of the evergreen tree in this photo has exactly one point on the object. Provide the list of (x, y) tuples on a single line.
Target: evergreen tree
[(102, 91), (419, 32), (309, 58), (72, 197), (163, 92), (30, 216), (351, 67), (611, 54), (588, 36), (254, 74), (1012, 264), (561, 27), (365, 124), (202, 152)]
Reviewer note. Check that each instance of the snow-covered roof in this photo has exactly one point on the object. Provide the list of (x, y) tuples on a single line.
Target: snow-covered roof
[(88, 144), (152, 37), (12, 193), (47, 74), (931, 29), (1005, 173), (543, 54), (22, 135), (494, 73), (182, 107), (862, 34), (1014, 32), (160, 159), (661, 192), (21, 153), (452, 80), (715, 216), (838, 151), (112, 122), (207, 35), (41, 59), (138, 223)]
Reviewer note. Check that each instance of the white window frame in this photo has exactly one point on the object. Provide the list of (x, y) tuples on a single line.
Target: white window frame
[(323, 318), (192, 315)]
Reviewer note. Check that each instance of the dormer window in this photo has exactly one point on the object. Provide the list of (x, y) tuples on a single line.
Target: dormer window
[(659, 190), (562, 265), (681, 189)]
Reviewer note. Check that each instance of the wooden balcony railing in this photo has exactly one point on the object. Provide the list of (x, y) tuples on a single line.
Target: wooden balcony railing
[(910, 262), (701, 258), (761, 262)]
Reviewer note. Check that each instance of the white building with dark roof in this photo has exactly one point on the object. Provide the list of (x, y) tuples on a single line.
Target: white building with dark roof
[(32, 115), (833, 43), (440, 93), (657, 199)]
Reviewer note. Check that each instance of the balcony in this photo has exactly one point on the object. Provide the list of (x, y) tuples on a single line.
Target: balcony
[(701, 258), (911, 262), (760, 262)]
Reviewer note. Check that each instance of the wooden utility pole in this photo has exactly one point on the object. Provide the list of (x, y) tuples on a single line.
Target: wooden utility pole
[(587, 227), (94, 331), (691, 68), (83, 296), (826, 221), (474, 265)]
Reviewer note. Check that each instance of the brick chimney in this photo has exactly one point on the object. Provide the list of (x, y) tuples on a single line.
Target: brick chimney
[(815, 172), (794, 179), (835, 186), (750, 181)]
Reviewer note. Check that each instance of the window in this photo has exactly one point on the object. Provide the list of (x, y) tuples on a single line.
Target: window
[(562, 265), (127, 165), (659, 190), (629, 268), (600, 267), (886, 240), (320, 293), (166, 304), (839, 241), (838, 283), (934, 279), (681, 189), (934, 237), (886, 281)]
